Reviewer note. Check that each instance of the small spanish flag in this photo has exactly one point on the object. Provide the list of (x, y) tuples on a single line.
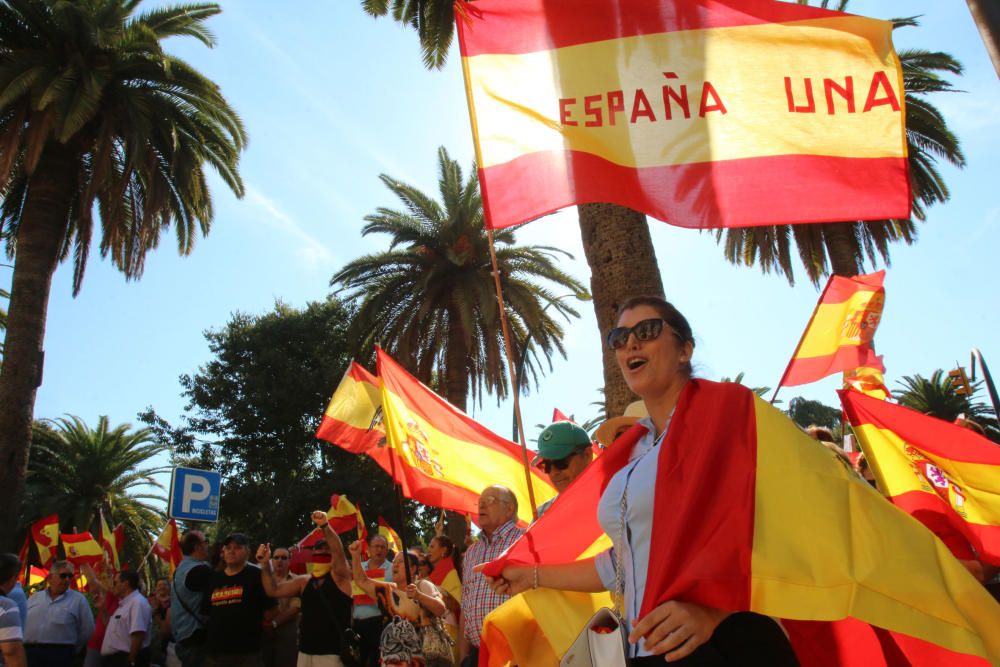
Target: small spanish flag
[(343, 515), (352, 411), (168, 546), (111, 542), (839, 334), (701, 113), (46, 535), (82, 548), (391, 536), (945, 476), (868, 380)]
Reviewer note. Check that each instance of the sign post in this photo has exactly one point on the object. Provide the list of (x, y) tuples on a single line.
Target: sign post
[(194, 495)]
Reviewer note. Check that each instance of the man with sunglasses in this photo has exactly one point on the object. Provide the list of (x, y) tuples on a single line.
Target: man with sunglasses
[(564, 451), (59, 620)]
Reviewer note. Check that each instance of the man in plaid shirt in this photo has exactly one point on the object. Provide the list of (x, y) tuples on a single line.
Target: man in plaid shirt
[(497, 517)]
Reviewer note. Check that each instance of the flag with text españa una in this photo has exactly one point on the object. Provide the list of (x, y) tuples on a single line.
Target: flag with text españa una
[(749, 513), (839, 335), (443, 457), (946, 476), (702, 113)]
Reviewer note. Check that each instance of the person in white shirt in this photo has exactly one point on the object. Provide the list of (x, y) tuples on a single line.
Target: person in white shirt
[(126, 642)]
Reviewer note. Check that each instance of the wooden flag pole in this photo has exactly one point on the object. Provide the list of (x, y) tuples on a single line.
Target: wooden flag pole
[(516, 390), (801, 339)]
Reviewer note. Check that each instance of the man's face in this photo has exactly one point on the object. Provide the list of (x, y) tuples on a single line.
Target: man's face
[(494, 510), (59, 580), (235, 554), (201, 552), (564, 471), (279, 560), (379, 549), (119, 587)]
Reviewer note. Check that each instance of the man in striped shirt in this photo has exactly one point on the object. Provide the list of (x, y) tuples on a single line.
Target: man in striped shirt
[(497, 519), (11, 643)]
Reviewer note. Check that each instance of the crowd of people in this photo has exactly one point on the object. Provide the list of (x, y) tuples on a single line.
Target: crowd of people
[(411, 607)]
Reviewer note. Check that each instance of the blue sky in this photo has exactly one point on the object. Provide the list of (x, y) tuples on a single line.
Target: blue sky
[(332, 98)]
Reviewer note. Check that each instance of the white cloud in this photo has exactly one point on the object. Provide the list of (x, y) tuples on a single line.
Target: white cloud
[(312, 251)]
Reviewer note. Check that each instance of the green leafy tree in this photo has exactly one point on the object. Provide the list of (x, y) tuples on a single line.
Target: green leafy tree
[(935, 396), (760, 391), (430, 299), (848, 248), (805, 413), (95, 117), (252, 414), (78, 471)]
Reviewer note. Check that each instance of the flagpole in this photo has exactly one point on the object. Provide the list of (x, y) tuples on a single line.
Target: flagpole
[(801, 339), (399, 509), (515, 389)]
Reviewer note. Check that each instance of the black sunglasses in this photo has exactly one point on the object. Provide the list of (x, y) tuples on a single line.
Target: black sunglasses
[(646, 330), (559, 464)]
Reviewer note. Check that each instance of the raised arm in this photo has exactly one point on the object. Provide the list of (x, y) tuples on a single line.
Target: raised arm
[(273, 588), (340, 571), (360, 578)]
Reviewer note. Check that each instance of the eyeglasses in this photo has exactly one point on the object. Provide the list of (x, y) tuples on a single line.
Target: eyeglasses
[(279, 557), (65, 575), (486, 501), (559, 464), (645, 330)]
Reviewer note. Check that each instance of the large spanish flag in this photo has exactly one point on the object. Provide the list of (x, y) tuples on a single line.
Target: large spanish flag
[(946, 476), (349, 420), (82, 548), (702, 113), (839, 334), (45, 533), (444, 458), (750, 513)]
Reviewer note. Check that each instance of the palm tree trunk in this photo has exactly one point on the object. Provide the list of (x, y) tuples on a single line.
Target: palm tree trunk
[(622, 263), (39, 241), (986, 14), (839, 240), (456, 391)]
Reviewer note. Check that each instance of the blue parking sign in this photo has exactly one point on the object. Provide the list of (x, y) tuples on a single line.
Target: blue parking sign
[(194, 494)]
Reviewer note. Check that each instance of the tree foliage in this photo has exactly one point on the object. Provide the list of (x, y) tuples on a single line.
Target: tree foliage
[(805, 413), (252, 413), (935, 396)]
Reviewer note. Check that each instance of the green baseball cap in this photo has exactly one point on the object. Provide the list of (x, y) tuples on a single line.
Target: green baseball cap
[(559, 440)]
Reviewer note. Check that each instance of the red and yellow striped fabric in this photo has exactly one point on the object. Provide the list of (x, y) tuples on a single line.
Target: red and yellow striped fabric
[(702, 113), (390, 535), (752, 514), (168, 546), (839, 335), (348, 420), (444, 458), (111, 542), (946, 476), (82, 548), (45, 532), (868, 380)]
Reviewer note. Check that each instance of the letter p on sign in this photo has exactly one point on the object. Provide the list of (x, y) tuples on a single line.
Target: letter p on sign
[(195, 488)]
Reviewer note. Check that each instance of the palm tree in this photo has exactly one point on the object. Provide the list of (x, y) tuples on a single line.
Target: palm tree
[(95, 115), (846, 248), (936, 397), (77, 471), (430, 300)]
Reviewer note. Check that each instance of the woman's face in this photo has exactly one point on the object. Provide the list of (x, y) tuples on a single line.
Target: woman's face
[(652, 367), (398, 569), (435, 551)]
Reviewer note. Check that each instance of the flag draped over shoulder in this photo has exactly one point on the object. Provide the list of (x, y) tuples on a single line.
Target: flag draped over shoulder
[(946, 476), (752, 514), (82, 548), (45, 533), (702, 113), (444, 458), (350, 415), (839, 335), (168, 546)]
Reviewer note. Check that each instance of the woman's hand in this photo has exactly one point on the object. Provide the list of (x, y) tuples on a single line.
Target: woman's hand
[(513, 579), (677, 628), (412, 592)]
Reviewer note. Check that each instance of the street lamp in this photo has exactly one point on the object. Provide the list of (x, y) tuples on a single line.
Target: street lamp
[(523, 347)]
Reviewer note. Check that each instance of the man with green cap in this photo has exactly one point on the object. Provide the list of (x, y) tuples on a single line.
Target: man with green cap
[(564, 450)]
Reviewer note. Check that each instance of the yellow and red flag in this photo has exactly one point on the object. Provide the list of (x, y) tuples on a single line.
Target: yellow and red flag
[(168, 546), (946, 476), (839, 334), (82, 548), (750, 514), (444, 458), (350, 417), (36, 575), (45, 532), (23, 556), (111, 542), (702, 113), (868, 380), (391, 536), (343, 515)]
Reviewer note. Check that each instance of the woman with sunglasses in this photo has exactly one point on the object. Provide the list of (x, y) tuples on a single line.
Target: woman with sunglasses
[(653, 344)]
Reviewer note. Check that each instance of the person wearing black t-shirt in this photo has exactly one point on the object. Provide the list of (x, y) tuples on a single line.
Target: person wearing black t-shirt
[(237, 606), (325, 597)]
